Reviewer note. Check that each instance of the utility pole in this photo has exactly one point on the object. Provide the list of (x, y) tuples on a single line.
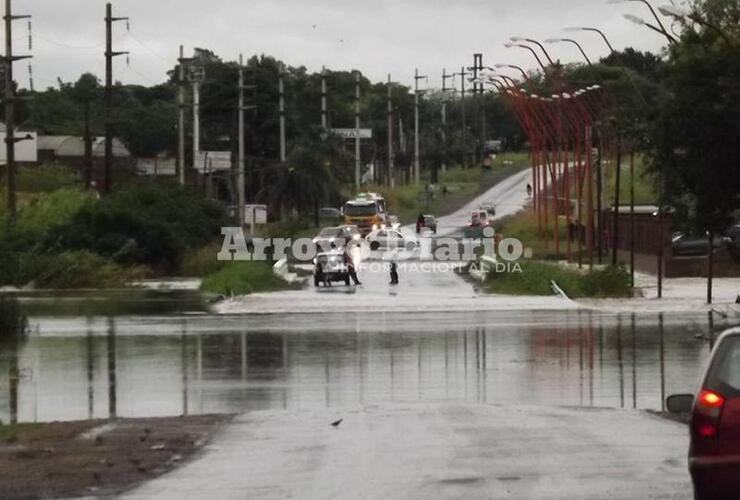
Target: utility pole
[(88, 147), (445, 77), (462, 74), (108, 107), (10, 98), (391, 178), (196, 75), (358, 160), (281, 91), (240, 177), (417, 167), (181, 118), (324, 117)]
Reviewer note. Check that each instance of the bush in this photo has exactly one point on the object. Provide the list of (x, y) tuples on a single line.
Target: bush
[(73, 270), (151, 226), (201, 261), (536, 278), (242, 278)]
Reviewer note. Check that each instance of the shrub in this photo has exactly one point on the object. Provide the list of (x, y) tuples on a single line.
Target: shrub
[(201, 261), (242, 278), (73, 270), (536, 278)]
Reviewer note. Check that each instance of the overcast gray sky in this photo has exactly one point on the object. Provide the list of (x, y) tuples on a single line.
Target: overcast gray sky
[(377, 37)]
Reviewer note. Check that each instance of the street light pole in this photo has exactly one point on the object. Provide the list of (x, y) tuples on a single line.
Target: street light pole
[(391, 178), (462, 75), (595, 30), (108, 107), (574, 42), (10, 98), (281, 110), (417, 166), (358, 161), (181, 118)]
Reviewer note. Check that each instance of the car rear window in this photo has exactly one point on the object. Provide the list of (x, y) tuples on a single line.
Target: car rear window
[(724, 373)]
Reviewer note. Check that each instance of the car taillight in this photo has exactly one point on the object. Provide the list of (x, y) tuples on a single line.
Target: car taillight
[(707, 411)]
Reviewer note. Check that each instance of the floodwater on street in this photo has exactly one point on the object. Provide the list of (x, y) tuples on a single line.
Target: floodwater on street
[(160, 353)]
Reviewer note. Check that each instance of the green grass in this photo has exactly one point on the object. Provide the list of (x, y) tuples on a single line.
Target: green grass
[(9, 432), (536, 278), (243, 278), (645, 193), (462, 185)]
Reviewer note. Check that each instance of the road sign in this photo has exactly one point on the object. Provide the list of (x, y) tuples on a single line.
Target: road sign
[(255, 213), (350, 133), (212, 161)]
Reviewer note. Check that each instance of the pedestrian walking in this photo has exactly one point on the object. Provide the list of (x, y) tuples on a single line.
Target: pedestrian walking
[(394, 274), (350, 263)]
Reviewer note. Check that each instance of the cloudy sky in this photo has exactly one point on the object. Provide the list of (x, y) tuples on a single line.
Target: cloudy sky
[(377, 37)]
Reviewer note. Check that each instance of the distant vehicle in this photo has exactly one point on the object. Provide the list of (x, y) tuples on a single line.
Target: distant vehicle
[(333, 215), (330, 267), (714, 429), (489, 208), (493, 147), (479, 220), (366, 212), (390, 239), (339, 236), (430, 222), (685, 246)]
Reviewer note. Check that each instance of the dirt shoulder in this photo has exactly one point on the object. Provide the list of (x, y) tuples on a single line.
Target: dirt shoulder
[(97, 457)]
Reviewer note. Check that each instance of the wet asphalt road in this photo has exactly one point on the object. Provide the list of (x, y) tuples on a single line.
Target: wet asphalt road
[(438, 451), (444, 393)]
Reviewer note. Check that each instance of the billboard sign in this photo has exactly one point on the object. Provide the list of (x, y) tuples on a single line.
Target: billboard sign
[(350, 133), (255, 213)]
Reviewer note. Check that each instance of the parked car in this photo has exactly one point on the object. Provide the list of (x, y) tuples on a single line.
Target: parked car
[(430, 222), (685, 246), (329, 267), (390, 239), (331, 215), (714, 428), (339, 236)]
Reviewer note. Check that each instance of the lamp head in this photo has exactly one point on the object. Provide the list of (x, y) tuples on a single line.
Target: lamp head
[(632, 18)]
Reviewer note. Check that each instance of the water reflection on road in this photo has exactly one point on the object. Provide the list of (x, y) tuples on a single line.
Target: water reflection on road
[(77, 368)]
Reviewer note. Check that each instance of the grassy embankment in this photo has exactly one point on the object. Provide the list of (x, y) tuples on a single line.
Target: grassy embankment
[(541, 269), (66, 238), (462, 185)]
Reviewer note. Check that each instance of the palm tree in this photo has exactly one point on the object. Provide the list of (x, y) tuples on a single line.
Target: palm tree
[(302, 184)]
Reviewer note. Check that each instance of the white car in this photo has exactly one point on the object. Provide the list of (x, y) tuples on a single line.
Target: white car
[(390, 239)]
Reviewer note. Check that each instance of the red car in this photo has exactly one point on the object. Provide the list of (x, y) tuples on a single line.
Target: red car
[(714, 453)]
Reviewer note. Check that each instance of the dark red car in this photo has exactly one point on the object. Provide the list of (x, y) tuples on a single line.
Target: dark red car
[(714, 453)]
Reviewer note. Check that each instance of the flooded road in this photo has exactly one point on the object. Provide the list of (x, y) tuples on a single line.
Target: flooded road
[(177, 359)]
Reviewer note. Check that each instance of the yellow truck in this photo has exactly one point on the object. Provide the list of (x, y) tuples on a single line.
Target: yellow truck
[(366, 211)]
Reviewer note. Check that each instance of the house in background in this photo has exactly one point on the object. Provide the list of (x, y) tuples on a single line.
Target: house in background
[(70, 150), (25, 150)]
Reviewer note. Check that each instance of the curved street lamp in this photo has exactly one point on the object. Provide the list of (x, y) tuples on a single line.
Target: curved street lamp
[(641, 22), (519, 39), (513, 66), (570, 40), (573, 29), (539, 61), (652, 11)]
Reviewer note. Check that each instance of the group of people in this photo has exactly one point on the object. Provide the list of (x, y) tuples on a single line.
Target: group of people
[(349, 261)]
